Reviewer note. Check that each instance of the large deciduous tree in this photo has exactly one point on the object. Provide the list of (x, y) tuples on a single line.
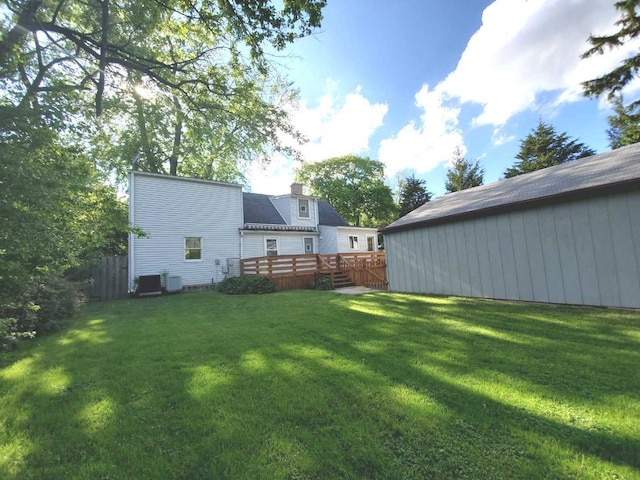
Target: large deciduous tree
[(354, 186), (624, 124), (202, 64), (543, 148), (413, 194), (463, 173)]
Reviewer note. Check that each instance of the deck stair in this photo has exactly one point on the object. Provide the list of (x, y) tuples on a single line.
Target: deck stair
[(340, 279)]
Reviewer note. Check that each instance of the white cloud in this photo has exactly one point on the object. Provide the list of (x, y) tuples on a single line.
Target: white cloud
[(431, 143), (336, 126), (523, 49)]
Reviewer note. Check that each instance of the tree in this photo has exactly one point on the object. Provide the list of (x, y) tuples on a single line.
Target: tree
[(204, 64), (543, 148), (463, 173), (624, 123), (413, 195), (613, 82), (354, 186)]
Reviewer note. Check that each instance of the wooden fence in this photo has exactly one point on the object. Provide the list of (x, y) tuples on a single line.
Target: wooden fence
[(290, 272), (109, 279)]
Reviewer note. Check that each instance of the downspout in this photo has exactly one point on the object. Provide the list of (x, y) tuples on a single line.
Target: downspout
[(315, 203), (131, 234)]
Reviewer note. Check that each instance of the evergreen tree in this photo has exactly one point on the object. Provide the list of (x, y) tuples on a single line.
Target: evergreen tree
[(463, 173), (543, 148), (413, 195), (613, 82), (624, 123)]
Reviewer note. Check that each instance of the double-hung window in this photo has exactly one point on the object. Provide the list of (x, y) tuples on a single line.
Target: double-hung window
[(303, 208), (371, 246), (271, 247), (353, 242), (192, 248)]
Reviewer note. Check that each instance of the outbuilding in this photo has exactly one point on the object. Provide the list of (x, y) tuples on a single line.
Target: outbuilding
[(565, 234)]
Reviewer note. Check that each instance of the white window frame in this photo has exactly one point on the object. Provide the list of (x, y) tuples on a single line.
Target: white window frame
[(353, 242), (186, 249), (266, 247), (373, 243), (304, 244), (308, 207)]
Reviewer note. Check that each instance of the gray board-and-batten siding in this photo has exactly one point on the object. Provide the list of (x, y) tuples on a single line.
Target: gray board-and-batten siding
[(581, 247)]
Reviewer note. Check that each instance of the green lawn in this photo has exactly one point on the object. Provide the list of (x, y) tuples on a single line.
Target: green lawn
[(306, 385)]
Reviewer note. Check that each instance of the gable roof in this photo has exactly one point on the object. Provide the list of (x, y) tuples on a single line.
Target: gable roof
[(614, 170), (259, 209), (329, 216)]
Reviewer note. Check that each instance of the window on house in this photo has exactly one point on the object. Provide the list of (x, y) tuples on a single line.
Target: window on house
[(371, 246), (308, 245), (193, 248), (353, 242), (271, 247), (303, 208)]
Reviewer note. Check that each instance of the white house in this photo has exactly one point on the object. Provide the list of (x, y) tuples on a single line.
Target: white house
[(199, 229)]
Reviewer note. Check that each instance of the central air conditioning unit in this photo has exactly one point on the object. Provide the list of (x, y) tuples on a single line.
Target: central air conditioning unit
[(174, 283)]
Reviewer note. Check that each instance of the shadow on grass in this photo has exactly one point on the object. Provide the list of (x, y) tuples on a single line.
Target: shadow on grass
[(311, 385)]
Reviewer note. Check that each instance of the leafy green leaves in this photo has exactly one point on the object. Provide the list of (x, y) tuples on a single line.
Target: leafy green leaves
[(354, 186)]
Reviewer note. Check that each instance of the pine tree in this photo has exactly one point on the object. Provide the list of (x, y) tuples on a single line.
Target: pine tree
[(413, 195), (543, 148), (624, 123), (463, 173), (614, 81)]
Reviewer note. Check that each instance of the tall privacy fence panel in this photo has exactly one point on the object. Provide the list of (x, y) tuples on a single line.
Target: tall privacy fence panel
[(109, 279)]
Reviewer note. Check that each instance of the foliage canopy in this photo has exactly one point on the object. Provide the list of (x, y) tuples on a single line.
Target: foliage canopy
[(413, 194), (463, 173), (354, 186), (543, 148)]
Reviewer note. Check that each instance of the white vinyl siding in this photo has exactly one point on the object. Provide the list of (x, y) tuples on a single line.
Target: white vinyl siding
[(289, 208), (328, 240), (170, 209), (344, 243), (289, 243)]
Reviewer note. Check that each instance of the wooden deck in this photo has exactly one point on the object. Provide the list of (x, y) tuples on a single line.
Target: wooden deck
[(290, 272)]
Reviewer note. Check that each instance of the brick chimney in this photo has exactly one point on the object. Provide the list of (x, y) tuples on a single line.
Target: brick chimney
[(296, 189)]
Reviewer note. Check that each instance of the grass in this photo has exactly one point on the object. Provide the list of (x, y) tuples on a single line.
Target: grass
[(314, 385)]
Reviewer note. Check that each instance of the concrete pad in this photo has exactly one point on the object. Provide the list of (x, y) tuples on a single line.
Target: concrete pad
[(355, 290)]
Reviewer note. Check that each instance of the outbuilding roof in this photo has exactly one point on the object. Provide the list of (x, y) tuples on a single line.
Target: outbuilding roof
[(613, 170)]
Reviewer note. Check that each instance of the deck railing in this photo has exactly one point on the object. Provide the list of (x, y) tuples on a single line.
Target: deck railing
[(300, 271)]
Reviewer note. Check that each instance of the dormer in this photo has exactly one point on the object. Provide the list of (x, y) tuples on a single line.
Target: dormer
[(296, 208)]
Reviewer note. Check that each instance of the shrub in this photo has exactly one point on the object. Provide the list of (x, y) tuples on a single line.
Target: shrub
[(58, 300), (323, 283), (247, 284)]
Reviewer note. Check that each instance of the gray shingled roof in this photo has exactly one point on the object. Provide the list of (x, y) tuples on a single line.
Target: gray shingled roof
[(329, 216), (259, 209), (617, 167)]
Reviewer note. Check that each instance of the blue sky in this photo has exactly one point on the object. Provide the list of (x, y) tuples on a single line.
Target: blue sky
[(407, 81)]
